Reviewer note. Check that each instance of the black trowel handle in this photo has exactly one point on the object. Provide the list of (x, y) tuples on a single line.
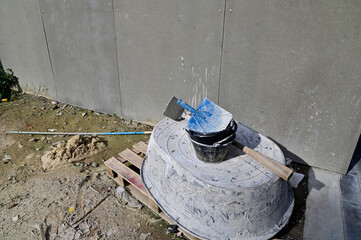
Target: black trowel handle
[(281, 170)]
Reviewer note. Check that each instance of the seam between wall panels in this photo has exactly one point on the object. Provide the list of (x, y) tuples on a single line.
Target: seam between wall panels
[(117, 59), (222, 43), (47, 49)]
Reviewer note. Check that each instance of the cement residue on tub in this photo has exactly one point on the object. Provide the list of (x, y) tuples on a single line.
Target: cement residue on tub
[(234, 199)]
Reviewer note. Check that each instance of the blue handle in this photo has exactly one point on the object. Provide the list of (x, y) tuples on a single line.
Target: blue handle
[(123, 133), (186, 106)]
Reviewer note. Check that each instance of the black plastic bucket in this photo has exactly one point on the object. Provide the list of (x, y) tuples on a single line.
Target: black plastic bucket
[(213, 153), (211, 138)]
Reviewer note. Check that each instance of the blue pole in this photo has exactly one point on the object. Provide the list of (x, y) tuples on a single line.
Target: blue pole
[(96, 133)]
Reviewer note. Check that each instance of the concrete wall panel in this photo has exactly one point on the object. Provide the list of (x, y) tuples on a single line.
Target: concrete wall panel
[(291, 70), (166, 48), (83, 53), (23, 46)]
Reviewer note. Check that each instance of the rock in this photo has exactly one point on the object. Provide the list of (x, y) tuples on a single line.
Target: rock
[(143, 236), (288, 161), (52, 130), (15, 180), (68, 234), (124, 196), (33, 140), (38, 149), (64, 106), (42, 108), (77, 235), (97, 114), (84, 227), (15, 219), (53, 102), (59, 114), (7, 158), (95, 165), (55, 107), (172, 229), (84, 114)]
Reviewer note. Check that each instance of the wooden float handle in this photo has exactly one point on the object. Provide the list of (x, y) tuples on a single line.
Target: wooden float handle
[(281, 170)]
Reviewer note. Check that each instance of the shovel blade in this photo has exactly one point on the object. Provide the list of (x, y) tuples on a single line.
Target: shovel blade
[(173, 110), (210, 118)]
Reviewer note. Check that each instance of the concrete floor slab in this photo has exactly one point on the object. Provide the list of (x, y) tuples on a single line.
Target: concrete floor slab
[(323, 206), (350, 189), (351, 197), (352, 220)]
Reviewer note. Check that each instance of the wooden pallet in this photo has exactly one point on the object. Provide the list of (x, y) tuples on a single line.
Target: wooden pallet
[(125, 170)]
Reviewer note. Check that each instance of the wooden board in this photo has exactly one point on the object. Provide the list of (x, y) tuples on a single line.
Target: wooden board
[(141, 147), (128, 174), (132, 157), (131, 180)]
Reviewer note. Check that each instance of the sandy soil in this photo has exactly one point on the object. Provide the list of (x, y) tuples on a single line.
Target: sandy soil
[(72, 203), (47, 197)]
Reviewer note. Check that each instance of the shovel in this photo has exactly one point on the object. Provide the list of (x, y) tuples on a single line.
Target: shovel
[(207, 118), (175, 112)]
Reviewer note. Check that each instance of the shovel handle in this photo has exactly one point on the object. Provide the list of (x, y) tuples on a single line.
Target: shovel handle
[(186, 106), (281, 170)]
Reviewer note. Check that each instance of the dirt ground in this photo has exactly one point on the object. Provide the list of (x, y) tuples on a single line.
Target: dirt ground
[(72, 202)]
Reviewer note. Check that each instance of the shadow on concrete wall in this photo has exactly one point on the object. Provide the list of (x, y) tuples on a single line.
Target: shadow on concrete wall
[(356, 155), (309, 174)]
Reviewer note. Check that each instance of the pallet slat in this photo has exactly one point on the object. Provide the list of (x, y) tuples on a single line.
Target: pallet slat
[(141, 147), (123, 175), (127, 173), (132, 157)]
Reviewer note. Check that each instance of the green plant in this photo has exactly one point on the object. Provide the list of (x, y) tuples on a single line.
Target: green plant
[(7, 81)]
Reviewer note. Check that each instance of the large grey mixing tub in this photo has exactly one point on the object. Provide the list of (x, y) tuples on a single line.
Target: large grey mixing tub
[(235, 199)]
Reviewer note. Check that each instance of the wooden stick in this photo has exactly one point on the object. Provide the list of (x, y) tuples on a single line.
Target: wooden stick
[(281, 170)]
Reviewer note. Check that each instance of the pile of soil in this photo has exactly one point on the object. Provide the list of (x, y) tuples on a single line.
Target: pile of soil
[(75, 149)]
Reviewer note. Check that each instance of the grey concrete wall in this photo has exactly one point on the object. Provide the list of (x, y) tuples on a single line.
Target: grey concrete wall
[(83, 54), (289, 69), (167, 48), (23, 46), (292, 70)]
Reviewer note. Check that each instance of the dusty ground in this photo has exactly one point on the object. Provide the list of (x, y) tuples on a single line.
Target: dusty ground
[(47, 196), (72, 202)]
